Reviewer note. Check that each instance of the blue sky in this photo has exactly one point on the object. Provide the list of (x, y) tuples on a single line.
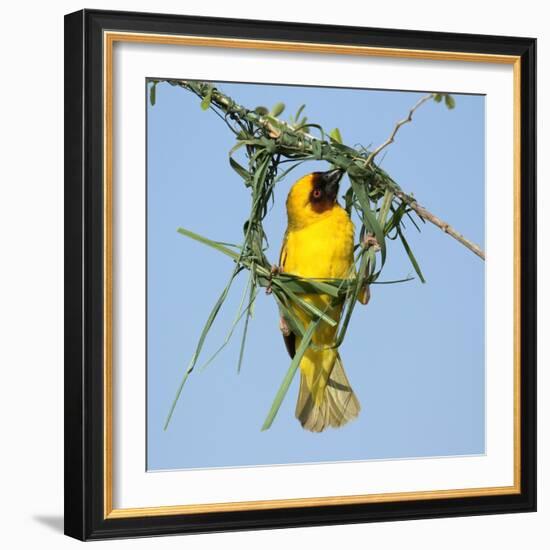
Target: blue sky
[(414, 355)]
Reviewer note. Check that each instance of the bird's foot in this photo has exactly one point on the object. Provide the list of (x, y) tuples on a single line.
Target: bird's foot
[(275, 270), (371, 241), (283, 326)]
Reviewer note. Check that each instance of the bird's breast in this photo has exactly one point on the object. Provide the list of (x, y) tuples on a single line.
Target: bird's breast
[(321, 250)]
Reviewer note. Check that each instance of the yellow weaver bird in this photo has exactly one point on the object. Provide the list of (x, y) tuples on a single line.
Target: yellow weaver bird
[(319, 243)]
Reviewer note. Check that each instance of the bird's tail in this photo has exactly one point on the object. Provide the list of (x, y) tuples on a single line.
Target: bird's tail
[(325, 400)]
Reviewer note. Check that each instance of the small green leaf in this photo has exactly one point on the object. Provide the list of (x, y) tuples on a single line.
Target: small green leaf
[(205, 103), (335, 135), (438, 98), (243, 172), (153, 93), (261, 110), (299, 112), (449, 101), (277, 109)]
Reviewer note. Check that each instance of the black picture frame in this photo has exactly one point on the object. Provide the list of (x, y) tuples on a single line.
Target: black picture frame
[(84, 282)]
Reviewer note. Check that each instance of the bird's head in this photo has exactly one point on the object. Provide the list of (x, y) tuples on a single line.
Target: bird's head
[(312, 196)]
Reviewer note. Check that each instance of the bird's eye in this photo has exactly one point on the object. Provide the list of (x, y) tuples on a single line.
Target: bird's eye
[(316, 193)]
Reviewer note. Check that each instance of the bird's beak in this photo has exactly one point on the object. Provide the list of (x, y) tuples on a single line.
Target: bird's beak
[(331, 181)]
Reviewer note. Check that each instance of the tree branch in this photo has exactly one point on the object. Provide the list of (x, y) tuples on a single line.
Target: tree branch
[(295, 143), (390, 140), (420, 210), (438, 222)]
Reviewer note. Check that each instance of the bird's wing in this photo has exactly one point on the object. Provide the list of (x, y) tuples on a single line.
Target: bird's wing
[(282, 255), (288, 336)]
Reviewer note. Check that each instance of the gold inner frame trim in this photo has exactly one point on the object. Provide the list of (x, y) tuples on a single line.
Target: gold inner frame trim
[(109, 39)]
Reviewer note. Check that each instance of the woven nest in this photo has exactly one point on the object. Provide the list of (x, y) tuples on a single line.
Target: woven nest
[(272, 149)]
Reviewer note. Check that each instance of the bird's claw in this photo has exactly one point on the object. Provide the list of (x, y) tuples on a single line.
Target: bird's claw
[(283, 326), (275, 270), (371, 241)]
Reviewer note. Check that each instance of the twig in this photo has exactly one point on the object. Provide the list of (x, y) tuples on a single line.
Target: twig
[(297, 144), (390, 140), (420, 210), (438, 222)]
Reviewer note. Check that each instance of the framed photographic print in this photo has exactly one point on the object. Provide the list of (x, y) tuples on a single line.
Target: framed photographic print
[(300, 274)]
